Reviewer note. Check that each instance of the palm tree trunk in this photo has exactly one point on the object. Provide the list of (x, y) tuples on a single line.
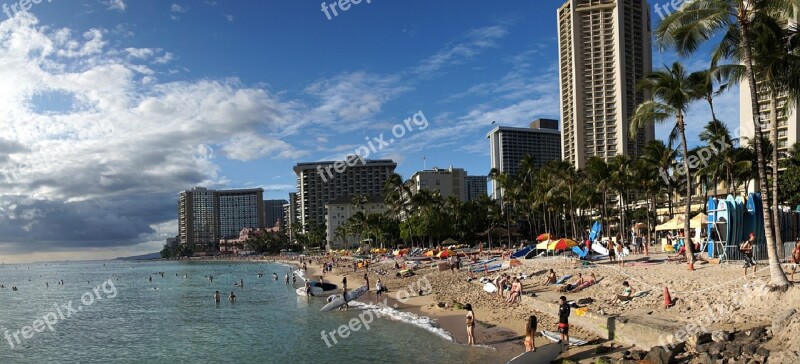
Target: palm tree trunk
[(777, 277), (687, 240), (775, 203)]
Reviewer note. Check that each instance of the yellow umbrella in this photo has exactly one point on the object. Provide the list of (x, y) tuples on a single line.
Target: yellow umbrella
[(445, 253), (430, 253), (562, 244), (543, 245)]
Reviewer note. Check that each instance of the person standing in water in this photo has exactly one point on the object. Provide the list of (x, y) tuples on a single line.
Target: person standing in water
[(232, 297), (216, 296), (470, 324)]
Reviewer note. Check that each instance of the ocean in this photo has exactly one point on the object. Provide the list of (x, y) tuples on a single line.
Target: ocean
[(110, 312)]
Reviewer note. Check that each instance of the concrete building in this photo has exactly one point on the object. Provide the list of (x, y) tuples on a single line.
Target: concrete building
[(509, 145), (449, 182), (205, 216), (273, 212), (604, 50), (788, 123), (475, 187), (290, 212), (342, 209), (321, 182)]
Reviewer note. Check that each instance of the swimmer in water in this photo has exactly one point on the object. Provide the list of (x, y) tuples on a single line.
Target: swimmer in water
[(216, 296), (232, 297)]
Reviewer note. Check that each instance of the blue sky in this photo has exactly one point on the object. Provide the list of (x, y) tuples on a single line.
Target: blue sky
[(111, 107)]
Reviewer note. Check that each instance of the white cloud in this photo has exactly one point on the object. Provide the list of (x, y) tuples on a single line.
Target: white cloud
[(175, 8), (118, 5)]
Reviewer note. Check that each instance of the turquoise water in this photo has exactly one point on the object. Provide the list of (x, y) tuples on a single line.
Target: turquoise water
[(126, 320)]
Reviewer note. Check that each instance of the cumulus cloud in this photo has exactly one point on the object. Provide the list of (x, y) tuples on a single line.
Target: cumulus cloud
[(105, 169)]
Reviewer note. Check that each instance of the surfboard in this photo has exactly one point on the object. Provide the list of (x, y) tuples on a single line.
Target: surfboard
[(323, 286), (596, 228), (600, 249), (556, 337), (722, 222), (710, 207), (543, 354), (490, 287), (749, 217), (338, 300), (739, 217), (315, 291), (759, 230), (733, 218)]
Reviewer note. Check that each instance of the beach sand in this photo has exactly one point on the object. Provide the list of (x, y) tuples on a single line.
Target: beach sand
[(501, 326)]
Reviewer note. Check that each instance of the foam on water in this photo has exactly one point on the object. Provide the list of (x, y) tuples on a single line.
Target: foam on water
[(406, 317)]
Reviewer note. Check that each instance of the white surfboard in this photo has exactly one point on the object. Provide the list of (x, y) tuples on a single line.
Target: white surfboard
[(338, 300), (315, 291), (543, 354), (555, 337), (490, 287), (599, 249)]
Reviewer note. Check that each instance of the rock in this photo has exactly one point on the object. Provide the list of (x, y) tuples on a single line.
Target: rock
[(703, 358), (785, 357), (732, 350), (720, 336), (716, 348), (692, 341), (780, 320), (749, 349), (762, 352), (700, 348), (585, 301), (658, 355)]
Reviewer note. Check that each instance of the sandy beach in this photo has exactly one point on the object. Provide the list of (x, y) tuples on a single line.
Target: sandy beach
[(726, 300)]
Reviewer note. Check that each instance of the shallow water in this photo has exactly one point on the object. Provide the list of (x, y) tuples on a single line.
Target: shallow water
[(126, 320)]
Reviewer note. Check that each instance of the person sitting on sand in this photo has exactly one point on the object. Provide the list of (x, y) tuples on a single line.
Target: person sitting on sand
[(470, 324), (551, 278), (592, 280), (627, 294), (569, 286), (530, 330), (516, 290)]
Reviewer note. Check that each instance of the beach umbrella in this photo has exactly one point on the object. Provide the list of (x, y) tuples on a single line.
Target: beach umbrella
[(445, 253), (430, 253), (562, 244), (544, 236), (511, 263), (543, 245)]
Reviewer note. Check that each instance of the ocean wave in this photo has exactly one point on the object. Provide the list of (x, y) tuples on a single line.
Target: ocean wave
[(420, 321)]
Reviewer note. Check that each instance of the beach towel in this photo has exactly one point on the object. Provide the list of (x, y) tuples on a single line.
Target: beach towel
[(563, 279)]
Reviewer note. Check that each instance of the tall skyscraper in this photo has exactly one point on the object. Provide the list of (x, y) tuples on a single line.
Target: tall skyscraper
[(604, 50), (507, 146), (318, 183), (273, 212), (205, 216), (788, 123)]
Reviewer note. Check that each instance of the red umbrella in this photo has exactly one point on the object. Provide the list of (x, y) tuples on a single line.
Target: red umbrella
[(544, 236)]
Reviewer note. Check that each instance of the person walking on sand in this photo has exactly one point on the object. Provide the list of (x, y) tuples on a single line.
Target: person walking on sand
[(470, 324), (379, 288), (746, 248), (366, 280), (530, 330), (563, 321)]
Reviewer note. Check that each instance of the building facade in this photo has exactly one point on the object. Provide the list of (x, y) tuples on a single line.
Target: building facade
[(449, 182), (340, 210), (475, 187), (788, 123), (205, 216), (273, 212), (507, 146), (321, 182), (604, 50)]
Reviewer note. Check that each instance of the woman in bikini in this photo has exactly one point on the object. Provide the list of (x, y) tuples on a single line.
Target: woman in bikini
[(530, 330), (470, 324), (516, 290)]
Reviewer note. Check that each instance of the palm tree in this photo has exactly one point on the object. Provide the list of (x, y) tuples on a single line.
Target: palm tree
[(620, 182), (396, 194), (662, 157), (701, 20), (672, 94), (598, 173)]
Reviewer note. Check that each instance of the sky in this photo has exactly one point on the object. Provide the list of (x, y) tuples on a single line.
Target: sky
[(110, 108)]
